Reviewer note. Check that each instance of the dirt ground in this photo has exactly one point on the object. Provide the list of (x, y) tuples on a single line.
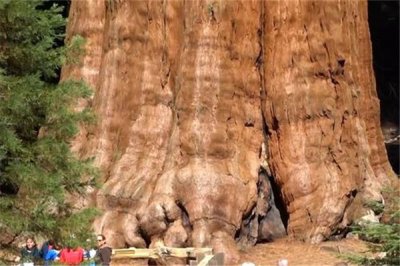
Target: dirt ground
[(297, 253)]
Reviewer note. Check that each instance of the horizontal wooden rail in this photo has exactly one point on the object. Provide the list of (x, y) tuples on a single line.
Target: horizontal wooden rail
[(154, 253), (201, 256)]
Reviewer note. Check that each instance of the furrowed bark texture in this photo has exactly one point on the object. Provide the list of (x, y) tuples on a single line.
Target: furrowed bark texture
[(182, 92), (322, 111)]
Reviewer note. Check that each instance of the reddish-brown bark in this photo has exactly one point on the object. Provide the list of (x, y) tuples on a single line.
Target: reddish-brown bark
[(322, 111), (182, 92)]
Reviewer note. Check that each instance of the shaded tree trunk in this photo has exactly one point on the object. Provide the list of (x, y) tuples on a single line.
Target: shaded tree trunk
[(187, 92)]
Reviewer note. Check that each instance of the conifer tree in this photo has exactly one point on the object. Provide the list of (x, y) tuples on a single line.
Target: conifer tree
[(383, 237), (37, 168)]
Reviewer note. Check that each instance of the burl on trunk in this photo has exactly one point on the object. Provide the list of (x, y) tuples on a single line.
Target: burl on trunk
[(194, 97)]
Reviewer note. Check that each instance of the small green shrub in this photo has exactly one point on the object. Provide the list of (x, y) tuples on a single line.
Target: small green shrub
[(384, 237)]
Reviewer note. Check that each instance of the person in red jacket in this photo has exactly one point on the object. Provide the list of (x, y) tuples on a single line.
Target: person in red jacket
[(71, 256)]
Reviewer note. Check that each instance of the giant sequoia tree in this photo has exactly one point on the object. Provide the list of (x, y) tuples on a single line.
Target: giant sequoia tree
[(198, 100)]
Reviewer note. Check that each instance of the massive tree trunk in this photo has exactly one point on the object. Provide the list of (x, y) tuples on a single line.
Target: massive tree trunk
[(196, 99), (322, 111)]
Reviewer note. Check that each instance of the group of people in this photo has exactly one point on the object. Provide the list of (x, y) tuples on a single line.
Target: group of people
[(52, 251)]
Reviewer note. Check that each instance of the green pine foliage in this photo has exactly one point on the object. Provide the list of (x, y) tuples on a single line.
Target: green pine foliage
[(383, 237), (37, 123)]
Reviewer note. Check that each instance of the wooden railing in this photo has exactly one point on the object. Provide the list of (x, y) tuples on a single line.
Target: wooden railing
[(196, 256)]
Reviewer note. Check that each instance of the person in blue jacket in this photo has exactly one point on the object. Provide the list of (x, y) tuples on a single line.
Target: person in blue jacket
[(48, 245), (49, 251)]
